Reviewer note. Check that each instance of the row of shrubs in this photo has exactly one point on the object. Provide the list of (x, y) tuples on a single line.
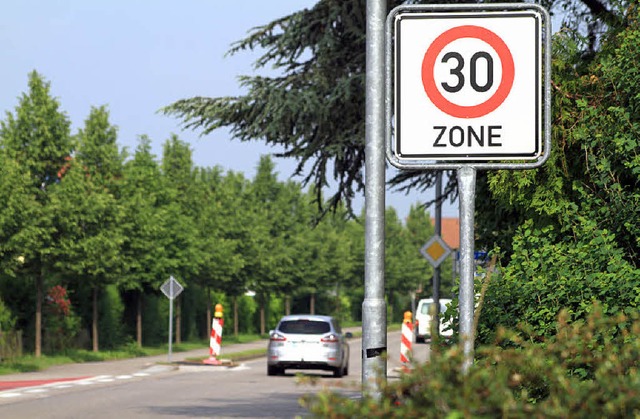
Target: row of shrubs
[(588, 369)]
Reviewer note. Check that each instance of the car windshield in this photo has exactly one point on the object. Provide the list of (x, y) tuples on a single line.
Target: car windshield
[(304, 327)]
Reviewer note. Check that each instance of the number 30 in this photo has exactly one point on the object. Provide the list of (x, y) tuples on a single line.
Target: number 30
[(473, 78)]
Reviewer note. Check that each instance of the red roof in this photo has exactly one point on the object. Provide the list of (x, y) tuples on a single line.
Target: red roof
[(450, 231)]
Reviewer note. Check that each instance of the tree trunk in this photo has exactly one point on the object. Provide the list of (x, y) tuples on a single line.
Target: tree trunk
[(235, 316), (287, 305), (94, 322), (209, 324), (312, 303), (139, 296), (262, 317), (38, 343)]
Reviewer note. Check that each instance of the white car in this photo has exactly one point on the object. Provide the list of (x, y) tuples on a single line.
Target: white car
[(423, 319), (308, 341)]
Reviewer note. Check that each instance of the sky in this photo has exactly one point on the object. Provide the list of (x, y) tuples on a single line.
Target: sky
[(136, 56)]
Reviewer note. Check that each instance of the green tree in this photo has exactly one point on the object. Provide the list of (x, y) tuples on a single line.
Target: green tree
[(340, 260), (89, 214), (98, 149), (419, 230), (216, 206), (405, 269), (18, 209), (394, 258), (38, 138), (268, 259), (182, 251), (313, 251), (237, 218), (318, 55), (301, 118), (578, 219), (144, 255)]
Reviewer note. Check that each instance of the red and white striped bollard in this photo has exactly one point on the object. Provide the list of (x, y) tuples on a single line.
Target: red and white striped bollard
[(406, 341), (216, 337)]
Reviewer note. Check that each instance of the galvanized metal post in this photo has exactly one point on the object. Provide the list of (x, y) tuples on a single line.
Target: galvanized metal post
[(438, 232), (467, 189), (170, 320), (374, 316)]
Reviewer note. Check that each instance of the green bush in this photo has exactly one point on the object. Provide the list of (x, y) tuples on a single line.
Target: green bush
[(551, 270), (111, 329), (247, 308), (7, 320), (587, 369), (155, 320), (61, 324)]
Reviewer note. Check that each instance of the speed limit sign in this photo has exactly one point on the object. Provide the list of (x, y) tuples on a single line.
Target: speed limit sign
[(468, 85)]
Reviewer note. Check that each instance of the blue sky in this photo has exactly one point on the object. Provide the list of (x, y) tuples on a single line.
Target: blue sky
[(137, 56)]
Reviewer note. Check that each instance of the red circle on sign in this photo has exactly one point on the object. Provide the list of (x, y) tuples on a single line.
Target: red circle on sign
[(429, 61)]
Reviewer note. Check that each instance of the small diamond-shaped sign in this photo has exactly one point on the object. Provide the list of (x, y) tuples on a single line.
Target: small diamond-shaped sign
[(171, 288), (435, 251)]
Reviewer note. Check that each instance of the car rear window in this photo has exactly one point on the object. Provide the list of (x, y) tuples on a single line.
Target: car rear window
[(426, 308), (304, 327)]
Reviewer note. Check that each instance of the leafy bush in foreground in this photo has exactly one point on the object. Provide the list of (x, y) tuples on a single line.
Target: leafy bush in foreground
[(587, 369)]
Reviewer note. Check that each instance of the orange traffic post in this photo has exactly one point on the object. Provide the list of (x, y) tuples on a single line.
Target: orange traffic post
[(216, 337), (406, 341)]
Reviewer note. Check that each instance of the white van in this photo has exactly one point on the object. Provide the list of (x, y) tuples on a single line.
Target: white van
[(422, 327)]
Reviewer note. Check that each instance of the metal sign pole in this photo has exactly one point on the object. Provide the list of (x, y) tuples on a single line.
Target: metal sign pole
[(374, 316), (438, 232), (467, 188), (170, 320)]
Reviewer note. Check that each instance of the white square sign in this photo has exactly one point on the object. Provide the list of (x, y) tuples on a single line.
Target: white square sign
[(467, 86)]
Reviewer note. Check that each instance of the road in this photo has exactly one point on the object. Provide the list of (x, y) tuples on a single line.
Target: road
[(191, 391)]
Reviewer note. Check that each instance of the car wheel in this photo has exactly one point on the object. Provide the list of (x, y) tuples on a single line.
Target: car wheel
[(346, 369), (272, 370), (419, 339), (338, 372)]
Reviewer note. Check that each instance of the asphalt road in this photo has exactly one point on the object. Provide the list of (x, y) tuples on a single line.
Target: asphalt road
[(152, 388)]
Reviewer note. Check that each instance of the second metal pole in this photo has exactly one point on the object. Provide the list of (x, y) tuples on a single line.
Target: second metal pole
[(467, 189), (438, 232)]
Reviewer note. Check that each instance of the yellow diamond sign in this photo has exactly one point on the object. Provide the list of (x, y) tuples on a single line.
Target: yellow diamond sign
[(435, 251)]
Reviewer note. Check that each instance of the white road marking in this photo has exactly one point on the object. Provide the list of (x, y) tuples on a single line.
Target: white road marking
[(85, 382), (36, 390), (209, 368)]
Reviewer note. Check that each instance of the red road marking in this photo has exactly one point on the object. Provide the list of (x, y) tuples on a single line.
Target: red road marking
[(9, 385)]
